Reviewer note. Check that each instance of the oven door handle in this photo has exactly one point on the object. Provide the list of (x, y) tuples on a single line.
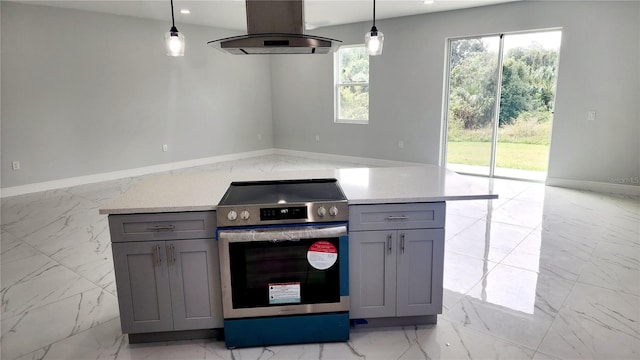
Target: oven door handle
[(282, 234)]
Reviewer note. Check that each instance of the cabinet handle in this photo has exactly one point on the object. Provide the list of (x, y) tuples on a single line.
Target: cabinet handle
[(156, 254), (402, 243), (397, 218), (389, 244), (162, 228), (172, 254)]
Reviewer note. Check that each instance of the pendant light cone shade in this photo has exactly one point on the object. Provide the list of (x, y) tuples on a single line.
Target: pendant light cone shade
[(374, 39), (174, 40)]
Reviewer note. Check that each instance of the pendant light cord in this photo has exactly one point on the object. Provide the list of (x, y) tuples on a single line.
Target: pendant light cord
[(173, 22), (374, 12)]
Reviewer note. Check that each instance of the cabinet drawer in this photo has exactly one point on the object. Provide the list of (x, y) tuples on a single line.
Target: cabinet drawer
[(162, 226), (397, 216)]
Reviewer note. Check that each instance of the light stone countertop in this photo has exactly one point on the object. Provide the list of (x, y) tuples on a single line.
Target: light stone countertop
[(203, 191)]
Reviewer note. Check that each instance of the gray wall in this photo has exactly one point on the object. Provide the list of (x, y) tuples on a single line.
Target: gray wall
[(86, 93), (599, 69)]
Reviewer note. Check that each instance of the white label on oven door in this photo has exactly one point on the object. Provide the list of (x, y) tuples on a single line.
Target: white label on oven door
[(322, 255), (284, 293)]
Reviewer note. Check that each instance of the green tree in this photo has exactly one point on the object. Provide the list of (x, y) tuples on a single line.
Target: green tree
[(528, 82), (354, 80), (462, 49), (473, 86), (515, 96)]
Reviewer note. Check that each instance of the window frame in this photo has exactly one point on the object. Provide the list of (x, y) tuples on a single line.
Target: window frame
[(337, 85)]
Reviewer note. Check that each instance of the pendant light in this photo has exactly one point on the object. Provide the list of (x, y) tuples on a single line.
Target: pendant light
[(373, 39), (174, 41)]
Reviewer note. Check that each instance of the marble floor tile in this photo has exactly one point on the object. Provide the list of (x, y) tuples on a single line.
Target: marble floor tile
[(513, 304), (461, 274), (446, 340), (39, 327), (534, 193), (487, 240), (542, 356), (456, 223), (105, 191), (595, 323), (509, 189), (14, 249), (82, 243), (615, 267), (622, 228), (556, 277), (521, 213), (23, 219), (105, 342), (476, 209), (551, 253), (36, 281), (66, 230)]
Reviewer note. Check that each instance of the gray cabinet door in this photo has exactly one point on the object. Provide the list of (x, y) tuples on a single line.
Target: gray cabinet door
[(419, 272), (142, 281), (372, 274), (195, 283)]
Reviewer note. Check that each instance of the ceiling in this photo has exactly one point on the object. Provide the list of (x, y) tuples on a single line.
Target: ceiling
[(230, 14)]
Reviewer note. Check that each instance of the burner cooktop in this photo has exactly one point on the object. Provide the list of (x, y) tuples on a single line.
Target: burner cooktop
[(281, 192)]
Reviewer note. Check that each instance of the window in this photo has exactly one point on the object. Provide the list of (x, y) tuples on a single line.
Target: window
[(352, 85)]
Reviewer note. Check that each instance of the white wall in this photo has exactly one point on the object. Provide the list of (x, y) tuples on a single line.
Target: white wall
[(86, 93), (599, 69)]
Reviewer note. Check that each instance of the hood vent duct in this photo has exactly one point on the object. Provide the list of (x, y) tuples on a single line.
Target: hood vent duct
[(275, 27)]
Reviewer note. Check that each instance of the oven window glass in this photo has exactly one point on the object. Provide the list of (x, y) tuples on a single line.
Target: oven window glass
[(259, 267)]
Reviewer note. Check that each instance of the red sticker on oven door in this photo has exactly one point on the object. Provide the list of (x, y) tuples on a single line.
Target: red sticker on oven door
[(322, 255)]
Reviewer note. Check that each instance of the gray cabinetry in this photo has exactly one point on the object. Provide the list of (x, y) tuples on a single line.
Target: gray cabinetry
[(419, 272), (143, 287), (396, 254), (169, 284)]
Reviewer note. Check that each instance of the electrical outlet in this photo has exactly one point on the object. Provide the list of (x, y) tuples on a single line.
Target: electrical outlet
[(401, 144), (591, 115), (15, 165), (165, 147), (259, 137), (317, 137)]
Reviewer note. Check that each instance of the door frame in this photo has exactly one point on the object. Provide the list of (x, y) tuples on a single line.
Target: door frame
[(496, 120)]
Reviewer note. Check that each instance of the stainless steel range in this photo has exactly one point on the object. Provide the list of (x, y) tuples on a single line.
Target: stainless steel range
[(284, 262)]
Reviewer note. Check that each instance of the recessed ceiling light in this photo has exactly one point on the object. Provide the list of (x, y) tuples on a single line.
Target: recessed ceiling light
[(185, 11), (429, 2)]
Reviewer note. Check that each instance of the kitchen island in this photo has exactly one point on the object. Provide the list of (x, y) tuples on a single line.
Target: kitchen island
[(165, 253)]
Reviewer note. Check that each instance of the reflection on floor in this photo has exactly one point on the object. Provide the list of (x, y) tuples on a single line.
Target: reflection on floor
[(540, 273), (508, 173)]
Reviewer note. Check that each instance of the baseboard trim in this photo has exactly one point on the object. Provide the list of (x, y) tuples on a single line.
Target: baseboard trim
[(343, 158), (595, 186), (121, 174), (611, 188)]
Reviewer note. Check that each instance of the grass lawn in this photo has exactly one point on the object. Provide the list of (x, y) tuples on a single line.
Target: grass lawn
[(509, 155)]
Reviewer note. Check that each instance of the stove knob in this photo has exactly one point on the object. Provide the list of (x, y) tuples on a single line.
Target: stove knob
[(333, 211), (322, 211), (244, 215), (232, 215)]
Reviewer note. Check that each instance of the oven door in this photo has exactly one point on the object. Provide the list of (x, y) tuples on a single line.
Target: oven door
[(284, 270)]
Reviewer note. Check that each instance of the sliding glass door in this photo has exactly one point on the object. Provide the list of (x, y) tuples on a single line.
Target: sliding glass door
[(473, 75), (510, 137)]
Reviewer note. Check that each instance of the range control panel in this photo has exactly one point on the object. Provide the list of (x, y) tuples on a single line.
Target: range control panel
[(285, 213), (249, 215)]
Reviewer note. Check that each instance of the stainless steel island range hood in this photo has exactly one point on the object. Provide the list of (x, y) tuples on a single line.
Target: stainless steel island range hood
[(275, 27)]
